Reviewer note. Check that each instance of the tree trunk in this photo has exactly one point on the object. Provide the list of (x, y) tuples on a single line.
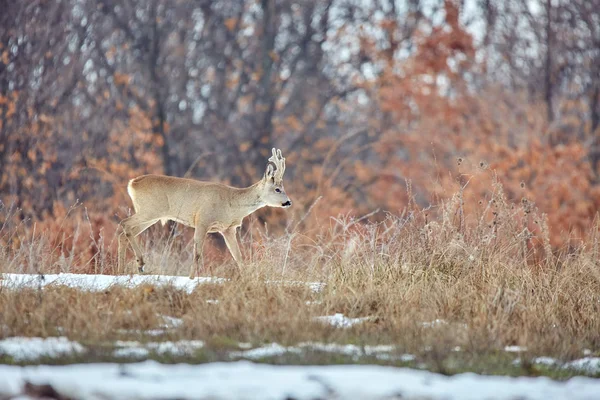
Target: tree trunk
[(548, 67), (158, 125)]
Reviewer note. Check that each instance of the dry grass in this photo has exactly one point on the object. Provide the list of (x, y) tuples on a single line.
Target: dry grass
[(491, 276)]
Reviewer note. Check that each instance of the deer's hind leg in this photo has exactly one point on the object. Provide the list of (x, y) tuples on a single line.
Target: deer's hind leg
[(130, 228), (199, 236)]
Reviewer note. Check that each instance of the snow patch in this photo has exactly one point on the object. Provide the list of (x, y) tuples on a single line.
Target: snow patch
[(270, 350), (590, 365), (315, 302), (340, 321), (132, 352), (33, 348), (29, 349), (549, 361), (434, 323), (275, 349), (98, 283), (246, 380), (515, 349), (137, 349), (142, 332)]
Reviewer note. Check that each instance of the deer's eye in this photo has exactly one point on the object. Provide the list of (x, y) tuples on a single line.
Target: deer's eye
[(278, 190)]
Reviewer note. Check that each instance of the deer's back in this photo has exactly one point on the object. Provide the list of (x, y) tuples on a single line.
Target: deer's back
[(180, 199)]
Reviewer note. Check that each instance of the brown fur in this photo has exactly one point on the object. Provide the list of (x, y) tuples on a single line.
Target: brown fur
[(205, 206)]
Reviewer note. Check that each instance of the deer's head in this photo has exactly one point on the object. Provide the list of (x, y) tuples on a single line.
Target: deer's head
[(273, 192)]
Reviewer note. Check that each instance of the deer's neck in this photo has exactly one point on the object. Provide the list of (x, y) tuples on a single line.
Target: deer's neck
[(249, 199)]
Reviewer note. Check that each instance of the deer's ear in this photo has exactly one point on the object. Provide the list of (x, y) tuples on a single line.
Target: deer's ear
[(270, 172)]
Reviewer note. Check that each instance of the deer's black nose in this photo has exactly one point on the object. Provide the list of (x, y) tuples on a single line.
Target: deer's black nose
[(286, 204)]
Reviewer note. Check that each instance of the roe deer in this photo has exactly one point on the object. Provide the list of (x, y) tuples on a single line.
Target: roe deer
[(205, 206)]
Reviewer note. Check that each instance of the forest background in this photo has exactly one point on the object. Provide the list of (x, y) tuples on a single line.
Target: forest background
[(380, 106)]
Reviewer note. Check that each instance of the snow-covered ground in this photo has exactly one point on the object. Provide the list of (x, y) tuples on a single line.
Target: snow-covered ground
[(275, 349), (25, 349), (246, 380), (103, 282), (32, 349), (136, 349)]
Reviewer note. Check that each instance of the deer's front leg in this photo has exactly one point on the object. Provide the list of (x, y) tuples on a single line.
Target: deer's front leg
[(199, 236), (230, 236), (130, 228)]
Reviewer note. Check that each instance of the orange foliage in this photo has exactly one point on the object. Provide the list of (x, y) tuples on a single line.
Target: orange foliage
[(431, 130)]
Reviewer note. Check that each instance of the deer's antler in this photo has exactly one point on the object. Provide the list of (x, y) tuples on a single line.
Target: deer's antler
[(279, 163)]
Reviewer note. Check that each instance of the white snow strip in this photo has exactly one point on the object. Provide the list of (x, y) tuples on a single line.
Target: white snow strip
[(380, 351), (33, 348), (103, 282), (142, 332), (340, 321), (132, 352), (590, 365), (431, 324), (275, 349), (348, 349), (98, 283), (515, 349), (549, 361), (270, 350), (245, 380), (178, 348), (27, 349)]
